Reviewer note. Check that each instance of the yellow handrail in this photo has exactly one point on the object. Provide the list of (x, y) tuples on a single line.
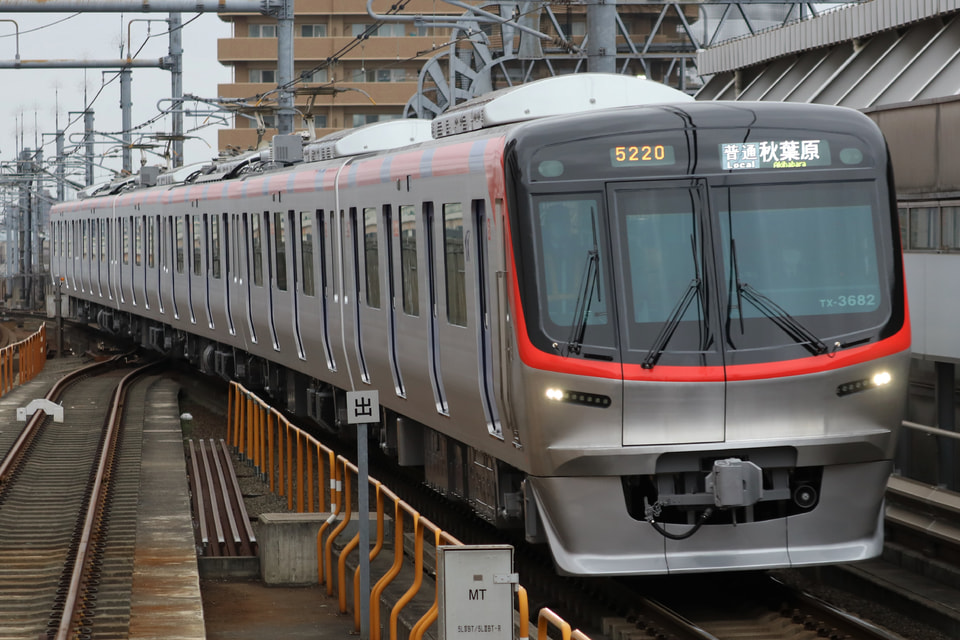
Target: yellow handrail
[(266, 439)]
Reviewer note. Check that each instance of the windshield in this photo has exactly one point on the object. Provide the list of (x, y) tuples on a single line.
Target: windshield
[(572, 282), (659, 242), (811, 250)]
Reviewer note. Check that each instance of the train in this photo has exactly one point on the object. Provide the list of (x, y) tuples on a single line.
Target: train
[(661, 336)]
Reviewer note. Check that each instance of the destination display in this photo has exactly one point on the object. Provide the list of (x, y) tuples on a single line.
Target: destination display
[(774, 154)]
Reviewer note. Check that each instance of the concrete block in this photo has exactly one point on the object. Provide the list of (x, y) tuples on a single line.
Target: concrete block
[(288, 545)]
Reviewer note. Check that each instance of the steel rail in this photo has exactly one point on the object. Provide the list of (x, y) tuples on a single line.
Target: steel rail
[(97, 498), (17, 451)]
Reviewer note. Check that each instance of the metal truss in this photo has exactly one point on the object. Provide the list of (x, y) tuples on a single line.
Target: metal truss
[(500, 43)]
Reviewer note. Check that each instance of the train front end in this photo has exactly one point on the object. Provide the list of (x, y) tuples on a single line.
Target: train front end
[(712, 328)]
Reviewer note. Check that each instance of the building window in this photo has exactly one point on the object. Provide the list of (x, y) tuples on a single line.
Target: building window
[(266, 76), (317, 76), (360, 119), (313, 31), (380, 75), (258, 30)]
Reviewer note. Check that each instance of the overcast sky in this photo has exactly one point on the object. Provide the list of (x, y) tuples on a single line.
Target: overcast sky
[(34, 99)]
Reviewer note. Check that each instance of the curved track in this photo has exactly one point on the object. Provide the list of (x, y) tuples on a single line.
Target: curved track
[(68, 516)]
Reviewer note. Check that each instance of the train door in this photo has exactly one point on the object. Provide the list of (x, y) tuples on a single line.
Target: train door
[(284, 322), (111, 257), (411, 313), (311, 306), (354, 240), (462, 339), (155, 259), (329, 284), (297, 267), (138, 267), (123, 279), (271, 274), (84, 257), (667, 319), (389, 229), (228, 269), (200, 278), (177, 251), (433, 340), (71, 254), (482, 274), (253, 266), (103, 270)]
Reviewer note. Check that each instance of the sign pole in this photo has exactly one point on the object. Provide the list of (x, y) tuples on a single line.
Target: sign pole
[(362, 408), (363, 511)]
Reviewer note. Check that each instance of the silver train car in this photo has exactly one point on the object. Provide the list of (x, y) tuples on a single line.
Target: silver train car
[(661, 336)]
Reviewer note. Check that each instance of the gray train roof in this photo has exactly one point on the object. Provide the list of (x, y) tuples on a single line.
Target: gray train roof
[(860, 56)]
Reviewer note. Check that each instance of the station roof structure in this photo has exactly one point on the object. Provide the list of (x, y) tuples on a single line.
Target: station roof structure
[(863, 55)]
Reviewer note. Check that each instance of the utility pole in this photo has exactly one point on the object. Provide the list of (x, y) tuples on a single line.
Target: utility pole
[(126, 118), (176, 85), (602, 36), (61, 169), (88, 140), (285, 67)]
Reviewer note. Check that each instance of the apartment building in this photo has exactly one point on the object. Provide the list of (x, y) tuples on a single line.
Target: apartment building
[(347, 80)]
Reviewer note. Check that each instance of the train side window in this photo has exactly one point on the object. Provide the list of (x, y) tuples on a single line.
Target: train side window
[(215, 246), (180, 241), (257, 239), (335, 255), (138, 240), (280, 248), (104, 236), (151, 241), (453, 263), (125, 231), (83, 236), (371, 253), (409, 281), (306, 252), (94, 243), (197, 231)]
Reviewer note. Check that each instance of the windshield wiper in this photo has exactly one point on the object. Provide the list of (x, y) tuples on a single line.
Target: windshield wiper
[(790, 325), (670, 326), (591, 274)]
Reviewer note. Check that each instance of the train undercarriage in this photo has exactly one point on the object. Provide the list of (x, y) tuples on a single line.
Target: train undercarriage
[(493, 490)]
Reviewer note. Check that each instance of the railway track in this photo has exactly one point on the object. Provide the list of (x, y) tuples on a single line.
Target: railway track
[(68, 510), (735, 606)]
